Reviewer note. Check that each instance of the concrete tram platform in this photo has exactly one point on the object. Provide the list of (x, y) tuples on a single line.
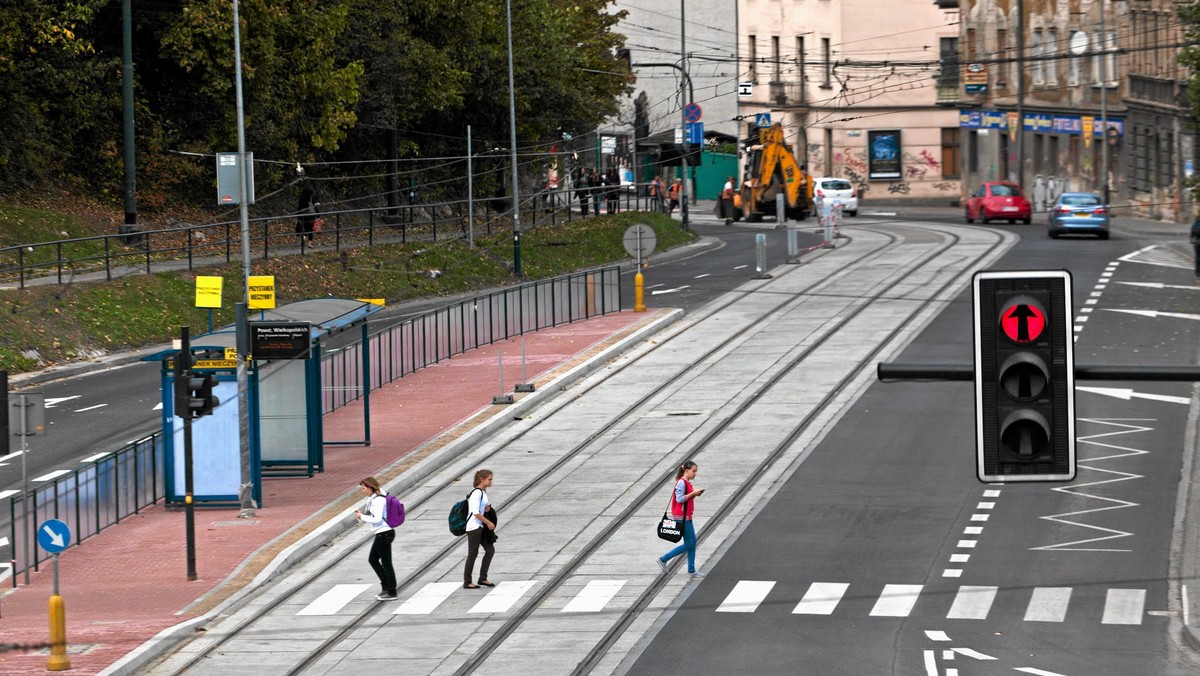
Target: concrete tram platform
[(128, 585)]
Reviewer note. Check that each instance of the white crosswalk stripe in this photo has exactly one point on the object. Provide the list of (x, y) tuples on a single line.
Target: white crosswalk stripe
[(1124, 606), (821, 598), (1048, 604), (334, 600), (972, 603), (745, 596), (503, 597), (897, 600), (427, 598), (593, 597)]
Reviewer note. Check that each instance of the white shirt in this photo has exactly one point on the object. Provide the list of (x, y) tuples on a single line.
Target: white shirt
[(374, 513), (477, 503)]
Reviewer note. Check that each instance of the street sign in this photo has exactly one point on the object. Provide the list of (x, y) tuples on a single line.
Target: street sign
[(692, 112), (745, 89), (262, 292), (762, 120), (54, 535), (639, 241), (678, 136), (208, 291), (214, 364), (280, 340), (229, 189), (695, 133)]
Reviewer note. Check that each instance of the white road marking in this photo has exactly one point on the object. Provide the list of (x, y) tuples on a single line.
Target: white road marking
[(96, 457), (973, 654), (51, 402), (972, 603), (897, 600), (4, 541), (967, 544), (675, 290), (821, 598), (10, 456), (157, 407), (930, 662), (1127, 394), (1185, 604), (52, 475), (972, 530), (655, 286), (90, 408), (1154, 314), (703, 275), (1124, 606), (979, 517), (742, 266), (991, 494), (937, 635), (334, 600), (1048, 604), (960, 558), (745, 596), (952, 572), (1037, 672), (1090, 301), (985, 505), (1160, 285), (427, 598), (503, 597), (593, 597)]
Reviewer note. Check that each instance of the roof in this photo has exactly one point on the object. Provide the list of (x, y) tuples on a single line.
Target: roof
[(327, 316)]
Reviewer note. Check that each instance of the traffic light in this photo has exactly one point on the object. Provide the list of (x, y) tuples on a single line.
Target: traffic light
[(1024, 376), (194, 395)]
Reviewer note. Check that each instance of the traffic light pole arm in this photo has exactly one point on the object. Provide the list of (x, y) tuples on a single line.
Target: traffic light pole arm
[(890, 371)]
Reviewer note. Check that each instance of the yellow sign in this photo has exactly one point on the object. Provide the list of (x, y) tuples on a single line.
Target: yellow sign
[(373, 301), (231, 354), (1013, 123), (262, 293), (214, 364), (208, 291), (1089, 127)]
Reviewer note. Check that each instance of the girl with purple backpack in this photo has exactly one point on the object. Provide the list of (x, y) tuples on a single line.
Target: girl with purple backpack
[(374, 513)]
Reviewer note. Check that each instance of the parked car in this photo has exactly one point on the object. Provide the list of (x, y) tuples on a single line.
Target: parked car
[(1079, 213), (835, 190), (996, 200)]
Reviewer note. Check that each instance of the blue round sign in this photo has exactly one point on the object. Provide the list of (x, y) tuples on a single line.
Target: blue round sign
[(54, 535), (692, 112)]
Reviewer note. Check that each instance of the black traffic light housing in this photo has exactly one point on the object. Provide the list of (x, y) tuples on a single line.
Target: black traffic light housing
[(194, 396), (1024, 376)]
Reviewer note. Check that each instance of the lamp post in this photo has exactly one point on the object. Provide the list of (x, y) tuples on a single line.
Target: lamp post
[(1104, 105), (512, 119), (245, 491), (683, 203)]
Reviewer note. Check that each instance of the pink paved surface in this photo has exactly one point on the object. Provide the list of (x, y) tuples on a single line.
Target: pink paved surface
[(126, 584)]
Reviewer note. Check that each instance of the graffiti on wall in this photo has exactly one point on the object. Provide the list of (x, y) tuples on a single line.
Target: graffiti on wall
[(899, 188), (814, 154), (945, 186)]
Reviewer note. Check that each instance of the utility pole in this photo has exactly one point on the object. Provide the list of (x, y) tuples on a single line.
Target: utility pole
[(246, 490), (1020, 93), (1104, 105), (127, 114), (683, 165), (512, 119)]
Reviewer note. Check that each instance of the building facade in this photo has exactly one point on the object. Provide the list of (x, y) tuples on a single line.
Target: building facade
[(854, 84), (1042, 99)]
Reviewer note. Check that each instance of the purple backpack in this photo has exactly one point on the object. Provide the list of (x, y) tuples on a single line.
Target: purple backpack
[(394, 514)]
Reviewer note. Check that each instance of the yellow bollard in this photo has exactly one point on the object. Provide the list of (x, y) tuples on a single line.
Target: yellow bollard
[(639, 292), (58, 660)]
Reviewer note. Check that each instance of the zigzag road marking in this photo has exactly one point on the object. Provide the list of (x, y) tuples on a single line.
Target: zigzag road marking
[(1080, 489), (1162, 258), (930, 657)]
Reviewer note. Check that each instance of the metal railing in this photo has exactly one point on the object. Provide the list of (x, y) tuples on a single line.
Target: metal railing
[(111, 488), (63, 261)]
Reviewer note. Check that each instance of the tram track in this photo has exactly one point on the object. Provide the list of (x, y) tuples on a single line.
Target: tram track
[(598, 538)]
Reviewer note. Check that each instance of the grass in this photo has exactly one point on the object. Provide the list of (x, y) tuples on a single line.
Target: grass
[(45, 325)]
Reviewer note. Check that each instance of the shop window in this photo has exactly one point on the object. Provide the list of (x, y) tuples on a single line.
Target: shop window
[(951, 153)]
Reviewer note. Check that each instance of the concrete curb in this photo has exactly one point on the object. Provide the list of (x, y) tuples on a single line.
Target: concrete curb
[(169, 638), (1185, 539)]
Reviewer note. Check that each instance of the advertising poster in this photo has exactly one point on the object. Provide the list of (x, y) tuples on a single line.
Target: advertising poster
[(883, 154)]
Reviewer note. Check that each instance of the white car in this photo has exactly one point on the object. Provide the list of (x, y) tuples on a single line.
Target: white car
[(834, 191)]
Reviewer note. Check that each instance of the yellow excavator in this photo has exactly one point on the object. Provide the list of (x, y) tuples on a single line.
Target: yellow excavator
[(771, 168)]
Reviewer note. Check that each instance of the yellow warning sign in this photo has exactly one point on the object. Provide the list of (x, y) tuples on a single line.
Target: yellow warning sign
[(208, 291), (214, 364), (262, 292), (373, 301), (231, 354)]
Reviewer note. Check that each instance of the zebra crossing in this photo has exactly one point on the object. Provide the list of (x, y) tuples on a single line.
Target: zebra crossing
[(970, 602)]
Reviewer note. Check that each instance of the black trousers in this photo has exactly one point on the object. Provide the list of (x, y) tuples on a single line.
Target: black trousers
[(380, 559), (474, 539), (1196, 251)]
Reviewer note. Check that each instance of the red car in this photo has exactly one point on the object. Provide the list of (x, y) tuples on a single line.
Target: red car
[(999, 201)]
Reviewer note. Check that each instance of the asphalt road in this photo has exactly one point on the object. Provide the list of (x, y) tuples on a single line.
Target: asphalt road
[(882, 554)]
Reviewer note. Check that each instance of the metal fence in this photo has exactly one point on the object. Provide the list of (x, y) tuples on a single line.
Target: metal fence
[(117, 485)]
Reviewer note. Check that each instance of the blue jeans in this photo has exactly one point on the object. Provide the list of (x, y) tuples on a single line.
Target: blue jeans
[(688, 545)]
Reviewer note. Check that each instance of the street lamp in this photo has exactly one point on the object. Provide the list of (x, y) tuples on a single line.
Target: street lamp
[(512, 119)]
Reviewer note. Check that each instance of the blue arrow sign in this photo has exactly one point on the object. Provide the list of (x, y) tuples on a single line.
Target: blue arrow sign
[(695, 133), (54, 535)]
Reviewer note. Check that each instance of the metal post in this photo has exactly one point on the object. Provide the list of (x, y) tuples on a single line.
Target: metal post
[(683, 193), (1104, 105), (760, 258), (470, 193), (242, 340), (183, 369), (512, 118), (25, 524), (127, 112), (245, 495), (1020, 92), (524, 385), (501, 398)]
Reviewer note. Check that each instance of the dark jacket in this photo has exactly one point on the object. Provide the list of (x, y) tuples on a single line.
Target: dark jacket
[(1195, 238)]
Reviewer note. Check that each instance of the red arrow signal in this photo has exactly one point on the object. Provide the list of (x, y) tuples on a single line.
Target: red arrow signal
[(1023, 322)]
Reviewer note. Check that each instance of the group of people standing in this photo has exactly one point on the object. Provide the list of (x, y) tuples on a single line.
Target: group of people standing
[(663, 198), (481, 529), (590, 186)]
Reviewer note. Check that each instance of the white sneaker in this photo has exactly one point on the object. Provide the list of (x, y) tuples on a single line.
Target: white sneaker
[(662, 564), (385, 597), (696, 573)]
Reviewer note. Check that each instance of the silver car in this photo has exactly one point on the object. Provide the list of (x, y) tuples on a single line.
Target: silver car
[(835, 191)]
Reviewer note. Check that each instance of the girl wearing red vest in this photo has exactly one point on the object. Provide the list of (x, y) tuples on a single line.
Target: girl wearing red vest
[(682, 507)]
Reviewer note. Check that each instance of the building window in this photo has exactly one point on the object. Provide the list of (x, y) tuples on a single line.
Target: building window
[(948, 75), (972, 152), (1035, 50), (1107, 60), (800, 59), (754, 58), (1052, 154), (1051, 50), (970, 44), (1073, 70), (826, 56), (951, 153), (1039, 150), (775, 73)]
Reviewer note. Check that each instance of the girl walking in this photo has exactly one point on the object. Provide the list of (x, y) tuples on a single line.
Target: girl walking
[(374, 513), (682, 507), (481, 526)]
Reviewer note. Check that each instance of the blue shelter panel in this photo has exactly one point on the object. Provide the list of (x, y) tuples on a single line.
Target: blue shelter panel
[(283, 414), (216, 452)]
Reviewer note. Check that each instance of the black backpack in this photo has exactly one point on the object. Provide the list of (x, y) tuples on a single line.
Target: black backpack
[(458, 516)]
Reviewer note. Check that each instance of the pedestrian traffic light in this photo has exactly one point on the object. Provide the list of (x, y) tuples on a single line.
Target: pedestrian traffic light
[(194, 395), (1024, 376)]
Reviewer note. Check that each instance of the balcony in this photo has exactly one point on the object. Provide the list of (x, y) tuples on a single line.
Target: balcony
[(1158, 90), (786, 93)]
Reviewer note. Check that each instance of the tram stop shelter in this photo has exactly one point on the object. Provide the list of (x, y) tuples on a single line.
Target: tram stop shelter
[(284, 396)]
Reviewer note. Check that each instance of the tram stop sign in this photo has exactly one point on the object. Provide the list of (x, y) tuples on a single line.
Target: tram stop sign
[(1023, 320)]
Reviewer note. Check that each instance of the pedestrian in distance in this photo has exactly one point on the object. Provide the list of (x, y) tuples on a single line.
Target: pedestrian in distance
[(374, 514), (727, 201), (656, 194), (1195, 239), (581, 190), (306, 214), (612, 182), (673, 195), (481, 531), (683, 500), (595, 187)]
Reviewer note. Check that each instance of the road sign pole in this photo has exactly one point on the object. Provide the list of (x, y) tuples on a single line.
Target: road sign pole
[(26, 524), (182, 374)]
